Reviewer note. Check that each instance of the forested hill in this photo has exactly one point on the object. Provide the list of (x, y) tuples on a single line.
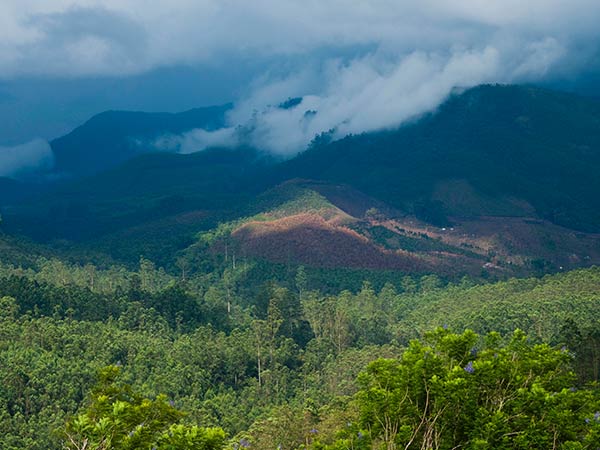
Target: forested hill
[(519, 146), (347, 298)]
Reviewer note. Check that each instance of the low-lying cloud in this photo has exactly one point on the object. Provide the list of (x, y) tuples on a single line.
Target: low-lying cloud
[(197, 140), (25, 158), (370, 93), (366, 94)]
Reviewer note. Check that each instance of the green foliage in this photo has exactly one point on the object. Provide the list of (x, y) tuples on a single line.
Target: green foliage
[(460, 391), (538, 306), (257, 362), (118, 418)]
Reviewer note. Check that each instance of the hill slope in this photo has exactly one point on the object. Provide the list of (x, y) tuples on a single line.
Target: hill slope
[(493, 150), (142, 190), (327, 225)]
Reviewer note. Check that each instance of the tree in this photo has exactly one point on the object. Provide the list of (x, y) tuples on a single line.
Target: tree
[(462, 391), (301, 281), (118, 418)]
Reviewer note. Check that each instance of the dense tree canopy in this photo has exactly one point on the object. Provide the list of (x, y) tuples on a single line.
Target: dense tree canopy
[(120, 419), (280, 364), (459, 391)]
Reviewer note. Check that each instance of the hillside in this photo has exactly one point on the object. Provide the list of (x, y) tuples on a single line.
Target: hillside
[(492, 150), (499, 181), (145, 189), (10, 190), (326, 225), (258, 295)]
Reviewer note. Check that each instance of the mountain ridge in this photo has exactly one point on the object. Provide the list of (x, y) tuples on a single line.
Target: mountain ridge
[(487, 156), (113, 137)]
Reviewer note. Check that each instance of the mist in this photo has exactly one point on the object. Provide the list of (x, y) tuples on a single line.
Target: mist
[(374, 92), (23, 159)]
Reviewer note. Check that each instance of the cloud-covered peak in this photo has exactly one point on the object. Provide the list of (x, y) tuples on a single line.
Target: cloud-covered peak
[(358, 66), (369, 93)]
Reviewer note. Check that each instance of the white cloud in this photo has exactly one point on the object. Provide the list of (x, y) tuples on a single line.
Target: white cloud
[(197, 140), (371, 93), (24, 158), (115, 37)]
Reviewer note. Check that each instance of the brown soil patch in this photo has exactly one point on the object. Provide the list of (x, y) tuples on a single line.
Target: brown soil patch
[(309, 239)]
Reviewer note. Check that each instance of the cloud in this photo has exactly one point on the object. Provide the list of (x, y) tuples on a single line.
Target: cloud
[(197, 140), (119, 37), (359, 66), (373, 92), (25, 158), (74, 42)]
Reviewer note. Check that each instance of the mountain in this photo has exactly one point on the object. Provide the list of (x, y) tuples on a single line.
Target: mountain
[(500, 180), (326, 225), (113, 137), (492, 150)]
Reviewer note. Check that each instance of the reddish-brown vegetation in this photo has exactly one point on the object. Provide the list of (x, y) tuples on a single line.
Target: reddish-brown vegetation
[(347, 233), (309, 239)]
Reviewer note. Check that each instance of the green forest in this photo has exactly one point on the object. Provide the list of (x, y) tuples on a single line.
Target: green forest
[(115, 358), (299, 225)]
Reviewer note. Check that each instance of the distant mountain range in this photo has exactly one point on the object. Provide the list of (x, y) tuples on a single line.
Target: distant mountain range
[(499, 178), (113, 137)]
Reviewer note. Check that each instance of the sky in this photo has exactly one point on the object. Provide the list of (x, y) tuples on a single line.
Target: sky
[(359, 65)]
